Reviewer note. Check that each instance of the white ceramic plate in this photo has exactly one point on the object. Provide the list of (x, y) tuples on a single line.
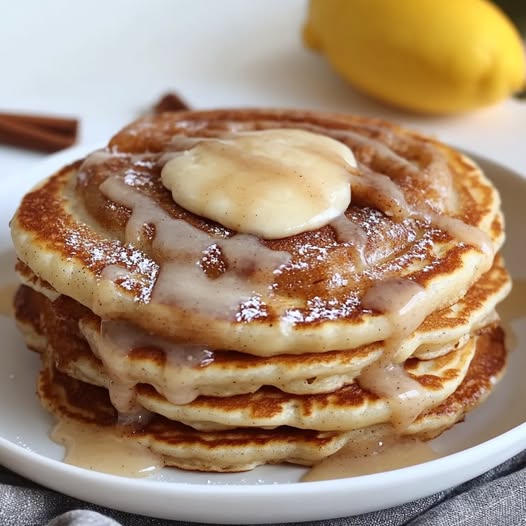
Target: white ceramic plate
[(490, 435)]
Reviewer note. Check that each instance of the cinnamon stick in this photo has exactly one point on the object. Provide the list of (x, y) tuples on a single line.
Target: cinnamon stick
[(170, 102), (63, 125), (20, 133)]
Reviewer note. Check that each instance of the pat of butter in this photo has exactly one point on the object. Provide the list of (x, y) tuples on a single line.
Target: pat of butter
[(270, 183)]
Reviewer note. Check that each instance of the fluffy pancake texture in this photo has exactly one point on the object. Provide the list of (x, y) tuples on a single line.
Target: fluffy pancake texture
[(248, 350), (231, 373), (316, 302), (245, 448)]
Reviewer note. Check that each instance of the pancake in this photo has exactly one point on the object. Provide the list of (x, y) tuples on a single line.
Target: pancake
[(348, 408), (138, 360), (342, 409), (420, 212), (245, 448), (230, 288)]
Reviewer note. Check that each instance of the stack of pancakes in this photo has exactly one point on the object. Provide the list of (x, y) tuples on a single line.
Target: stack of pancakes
[(221, 350)]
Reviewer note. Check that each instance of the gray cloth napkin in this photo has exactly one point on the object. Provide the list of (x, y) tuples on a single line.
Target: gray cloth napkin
[(497, 498)]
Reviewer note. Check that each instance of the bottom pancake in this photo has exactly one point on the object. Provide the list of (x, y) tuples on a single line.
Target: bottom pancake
[(179, 445), (245, 448)]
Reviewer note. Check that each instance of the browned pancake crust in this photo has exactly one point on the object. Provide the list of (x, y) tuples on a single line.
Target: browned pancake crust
[(184, 447), (315, 256), (67, 397), (486, 368), (66, 347), (59, 320)]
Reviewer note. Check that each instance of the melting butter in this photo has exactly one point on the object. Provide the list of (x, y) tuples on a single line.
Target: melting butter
[(271, 183), (103, 449), (113, 345), (404, 395), (372, 453), (349, 232), (465, 233), (406, 305), (180, 246)]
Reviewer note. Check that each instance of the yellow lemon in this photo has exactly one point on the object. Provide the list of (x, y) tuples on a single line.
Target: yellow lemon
[(438, 56)]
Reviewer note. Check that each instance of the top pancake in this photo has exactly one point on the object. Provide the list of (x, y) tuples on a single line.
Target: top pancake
[(301, 294)]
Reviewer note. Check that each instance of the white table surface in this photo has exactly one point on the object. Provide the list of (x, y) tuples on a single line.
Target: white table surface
[(105, 61)]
